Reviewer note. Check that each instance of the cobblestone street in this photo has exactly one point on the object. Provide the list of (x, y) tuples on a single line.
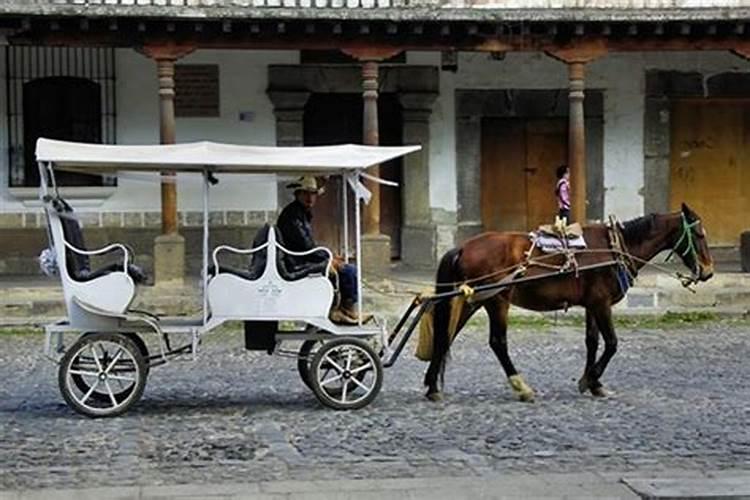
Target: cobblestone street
[(682, 401)]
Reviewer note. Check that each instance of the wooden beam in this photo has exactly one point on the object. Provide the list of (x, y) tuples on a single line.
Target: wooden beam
[(226, 26), (633, 30), (579, 52), (391, 28)]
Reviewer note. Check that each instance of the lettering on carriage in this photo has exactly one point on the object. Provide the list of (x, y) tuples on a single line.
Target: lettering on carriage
[(269, 290)]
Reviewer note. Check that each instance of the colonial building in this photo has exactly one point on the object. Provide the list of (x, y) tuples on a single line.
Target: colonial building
[(646, 100)]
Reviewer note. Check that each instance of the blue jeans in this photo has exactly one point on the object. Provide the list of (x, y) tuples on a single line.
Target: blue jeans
[(348, 283)]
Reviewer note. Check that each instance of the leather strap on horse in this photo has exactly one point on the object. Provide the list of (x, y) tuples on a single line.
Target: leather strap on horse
[(617, 243)]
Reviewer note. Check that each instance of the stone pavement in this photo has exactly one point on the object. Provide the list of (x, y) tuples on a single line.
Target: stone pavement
[(236, 417)]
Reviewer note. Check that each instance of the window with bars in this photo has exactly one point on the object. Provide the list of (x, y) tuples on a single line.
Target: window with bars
[(65, 93)]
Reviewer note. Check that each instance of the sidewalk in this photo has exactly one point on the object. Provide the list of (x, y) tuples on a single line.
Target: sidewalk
[(680, 484)]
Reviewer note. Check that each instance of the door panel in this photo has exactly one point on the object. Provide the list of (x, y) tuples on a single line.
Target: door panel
[(546, 149), (503, 180), (519, 158), (710, 162)]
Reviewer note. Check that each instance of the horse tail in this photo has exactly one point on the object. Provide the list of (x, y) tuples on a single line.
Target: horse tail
[(434, 328)]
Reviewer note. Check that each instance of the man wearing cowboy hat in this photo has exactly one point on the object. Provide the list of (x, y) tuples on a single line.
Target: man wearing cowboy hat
[(295, 225)]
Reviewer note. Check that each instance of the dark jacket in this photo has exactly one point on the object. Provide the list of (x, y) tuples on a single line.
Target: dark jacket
[(295, 225)]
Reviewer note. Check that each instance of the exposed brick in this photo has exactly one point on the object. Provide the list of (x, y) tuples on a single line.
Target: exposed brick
[(112, 219), (235, 218), (132, 219)]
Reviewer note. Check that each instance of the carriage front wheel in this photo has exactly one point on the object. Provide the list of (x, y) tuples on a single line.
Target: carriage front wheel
[(102, 374), (346, 374)]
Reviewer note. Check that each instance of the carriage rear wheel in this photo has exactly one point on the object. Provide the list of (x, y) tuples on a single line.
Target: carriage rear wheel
[(346, 374), (122, 388), (102, 374)]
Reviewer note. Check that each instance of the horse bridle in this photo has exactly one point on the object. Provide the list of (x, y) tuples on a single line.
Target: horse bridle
[(690, 249)]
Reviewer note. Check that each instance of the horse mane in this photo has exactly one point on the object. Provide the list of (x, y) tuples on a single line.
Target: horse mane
[(638, 228)]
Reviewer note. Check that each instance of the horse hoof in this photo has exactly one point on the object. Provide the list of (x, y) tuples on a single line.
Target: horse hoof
[(434, 396), (600, 392), (583, 385), (526, 397)]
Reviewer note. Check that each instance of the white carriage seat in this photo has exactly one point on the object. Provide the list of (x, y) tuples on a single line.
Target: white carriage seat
[(268, 289), (109, 289)]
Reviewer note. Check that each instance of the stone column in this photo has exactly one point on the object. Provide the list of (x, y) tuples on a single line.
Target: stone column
[(576, 57), (419, 235), (577, 142), (169, 247), (468, 176)]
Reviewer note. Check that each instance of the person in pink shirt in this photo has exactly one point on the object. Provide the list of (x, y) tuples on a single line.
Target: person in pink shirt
[(562, 191)]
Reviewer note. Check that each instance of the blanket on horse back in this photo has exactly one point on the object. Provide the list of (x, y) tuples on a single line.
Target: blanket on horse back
[(557, 237)]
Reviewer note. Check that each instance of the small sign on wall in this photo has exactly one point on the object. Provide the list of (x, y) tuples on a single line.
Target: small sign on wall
[(196, 90)]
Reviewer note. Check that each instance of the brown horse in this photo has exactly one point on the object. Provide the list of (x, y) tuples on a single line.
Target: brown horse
[(494, 254)]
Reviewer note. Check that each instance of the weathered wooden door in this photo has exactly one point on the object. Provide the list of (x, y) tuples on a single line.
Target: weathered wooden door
[(710, 164), (337, 119), (519, 159)]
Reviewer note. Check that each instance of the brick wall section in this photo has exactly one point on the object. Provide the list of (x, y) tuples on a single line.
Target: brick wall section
[(232, 218)]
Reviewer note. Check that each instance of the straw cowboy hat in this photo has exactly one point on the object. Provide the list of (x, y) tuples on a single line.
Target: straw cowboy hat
[(306, 183)]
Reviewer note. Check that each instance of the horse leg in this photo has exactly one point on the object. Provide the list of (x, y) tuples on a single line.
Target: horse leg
[(497, 311), (603, 319), (586, 381), (441, 344)]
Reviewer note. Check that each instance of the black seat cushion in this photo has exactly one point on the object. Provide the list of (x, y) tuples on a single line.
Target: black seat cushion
[(258, 260), (79, 265)]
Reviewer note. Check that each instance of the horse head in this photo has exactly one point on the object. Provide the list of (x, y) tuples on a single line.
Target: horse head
[(691, 244)]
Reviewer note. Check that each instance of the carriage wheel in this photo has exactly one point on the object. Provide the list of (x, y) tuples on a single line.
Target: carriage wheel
[(102, 374), (346, 374), (304, 360), (122, 388)]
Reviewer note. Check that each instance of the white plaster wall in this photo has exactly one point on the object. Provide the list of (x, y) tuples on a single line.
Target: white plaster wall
[(243, 82), (620, 76)]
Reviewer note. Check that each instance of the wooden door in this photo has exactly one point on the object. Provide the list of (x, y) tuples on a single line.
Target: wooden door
[(710, 164), (337, 119), (519, 159)]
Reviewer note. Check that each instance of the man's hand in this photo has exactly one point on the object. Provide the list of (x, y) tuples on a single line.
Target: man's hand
[(338, 263)]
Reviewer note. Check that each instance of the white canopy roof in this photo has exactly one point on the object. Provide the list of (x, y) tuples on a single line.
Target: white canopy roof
[(227, 158)]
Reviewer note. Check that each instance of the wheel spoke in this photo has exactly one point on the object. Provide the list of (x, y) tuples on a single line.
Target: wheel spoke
[(90, 391), (96, 359), (114, 360), (349, 360), (335, 365), (120, 377), (361, 368), (80, 372), (363, 386), (111, 394), (343, 390), (332, 379)]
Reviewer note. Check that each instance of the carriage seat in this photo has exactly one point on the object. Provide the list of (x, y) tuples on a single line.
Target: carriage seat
[(77, 264), (258, 260)]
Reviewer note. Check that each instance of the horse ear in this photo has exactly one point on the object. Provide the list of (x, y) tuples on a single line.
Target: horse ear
[(685, 209)]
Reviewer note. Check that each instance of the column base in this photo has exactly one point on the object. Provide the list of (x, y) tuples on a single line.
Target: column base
[(419, 246), (169, 260), (376, 255)]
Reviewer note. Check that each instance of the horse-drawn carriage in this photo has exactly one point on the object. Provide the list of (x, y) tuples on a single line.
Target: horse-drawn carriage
[(103, 370)]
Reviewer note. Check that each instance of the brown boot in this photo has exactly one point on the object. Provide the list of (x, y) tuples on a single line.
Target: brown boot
[(339, 317), (351, 311)]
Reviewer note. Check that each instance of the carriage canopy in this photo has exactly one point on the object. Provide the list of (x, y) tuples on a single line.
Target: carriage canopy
[(216, 157)]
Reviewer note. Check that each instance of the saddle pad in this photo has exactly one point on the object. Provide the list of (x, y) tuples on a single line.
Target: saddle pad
[(552, 244)]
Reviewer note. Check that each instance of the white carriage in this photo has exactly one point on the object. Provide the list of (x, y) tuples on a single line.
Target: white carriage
[(101, 346)]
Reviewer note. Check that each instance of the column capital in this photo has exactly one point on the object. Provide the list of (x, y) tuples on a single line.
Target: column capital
[(581, 53), (288, 100), (170, 51), (416, 104), (375, 54)]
